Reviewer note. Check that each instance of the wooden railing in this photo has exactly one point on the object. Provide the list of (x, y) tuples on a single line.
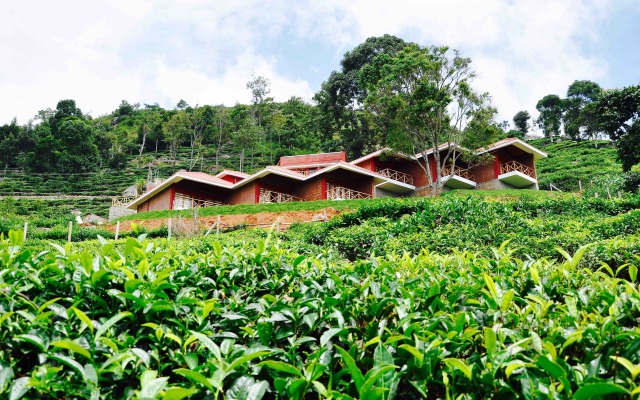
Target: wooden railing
[(121, 201), (269, 196), (396, 175), (185, 202), (342, 193), (459, 171), (511, 166)]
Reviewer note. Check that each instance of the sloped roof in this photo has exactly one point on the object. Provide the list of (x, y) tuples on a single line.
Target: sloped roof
[(522, 145), (312, 159), (232, 173), (199, 177)]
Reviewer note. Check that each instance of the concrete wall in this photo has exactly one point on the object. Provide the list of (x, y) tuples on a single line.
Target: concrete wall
[(496, 184), (378, 193), (117, 212)]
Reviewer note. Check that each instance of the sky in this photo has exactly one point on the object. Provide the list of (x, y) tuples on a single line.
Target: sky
[(101, 52)]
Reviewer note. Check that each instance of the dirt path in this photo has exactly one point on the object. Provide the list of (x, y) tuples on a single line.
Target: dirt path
[(263, 219)]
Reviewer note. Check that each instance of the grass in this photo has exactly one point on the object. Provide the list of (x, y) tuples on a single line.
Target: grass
[(338, 205), (253, 209)]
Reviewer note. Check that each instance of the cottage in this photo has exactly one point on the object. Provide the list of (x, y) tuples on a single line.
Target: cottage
[(509, 163)]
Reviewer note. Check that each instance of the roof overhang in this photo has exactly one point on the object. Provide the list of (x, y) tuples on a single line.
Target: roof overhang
[(379, 180), (522, 145), (458, 182), (175, 178), (268, 171), (517, 179)]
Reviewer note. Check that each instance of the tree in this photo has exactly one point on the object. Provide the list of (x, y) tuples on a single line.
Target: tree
[(148, 125), (579, 116), (550, 107), (423, 98), (618, 114), (245, 129), (175, 131), (259, 87), (64, 109), (220, 130), (521, 122), (76, 137), (10, 135), (340, 100), (198, 119)]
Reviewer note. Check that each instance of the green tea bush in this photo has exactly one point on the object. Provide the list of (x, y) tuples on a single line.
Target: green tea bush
[(200, 318)]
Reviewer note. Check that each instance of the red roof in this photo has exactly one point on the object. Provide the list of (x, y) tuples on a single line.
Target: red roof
[(499, 143), (201, 176), (318, 159), (232, 173)]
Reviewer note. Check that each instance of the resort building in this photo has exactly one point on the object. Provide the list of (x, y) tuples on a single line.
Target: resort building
[(509, 163)]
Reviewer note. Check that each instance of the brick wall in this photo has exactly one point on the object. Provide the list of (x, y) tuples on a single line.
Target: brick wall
[(201, 191), (309, 190), (351, 180), (369, 164), (161, 201), (243, 195), (483, 172)]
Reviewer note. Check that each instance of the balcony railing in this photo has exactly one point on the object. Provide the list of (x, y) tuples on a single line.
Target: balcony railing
[(342, 193), (459, 171), (121, 201), (511, 166), (396, 175), (269, 196), (184, 202)]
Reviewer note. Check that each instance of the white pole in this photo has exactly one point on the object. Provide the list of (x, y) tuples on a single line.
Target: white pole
[(169, 229), (580, 185), (26, 226), (218, 225), (117, 230), (70, 229)]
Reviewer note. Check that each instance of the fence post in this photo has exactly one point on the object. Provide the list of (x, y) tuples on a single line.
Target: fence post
[(579, 185), (70, 229), (117, 230), (169, 229), (551, 187), (218, 225), (325, 215), (24, 234), (608, 193)]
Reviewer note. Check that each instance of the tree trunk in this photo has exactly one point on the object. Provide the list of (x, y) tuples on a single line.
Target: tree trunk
[(144, 139)]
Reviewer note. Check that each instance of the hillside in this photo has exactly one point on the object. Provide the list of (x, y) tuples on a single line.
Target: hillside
[(590, 161)]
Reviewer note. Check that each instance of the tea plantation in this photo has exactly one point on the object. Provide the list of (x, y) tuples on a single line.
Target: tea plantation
[(465, 296)]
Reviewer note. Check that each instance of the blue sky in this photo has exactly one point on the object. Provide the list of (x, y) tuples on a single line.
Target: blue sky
[(204, 51)]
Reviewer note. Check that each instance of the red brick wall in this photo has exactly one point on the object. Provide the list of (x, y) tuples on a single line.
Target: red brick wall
[(351, 180), (309, 190), (201, 191), (243, 195), (161, 201), (369, 164), (483, 172)]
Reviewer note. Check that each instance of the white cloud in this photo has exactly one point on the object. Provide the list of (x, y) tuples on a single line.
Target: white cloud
[(205, 51), (521, 49)]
